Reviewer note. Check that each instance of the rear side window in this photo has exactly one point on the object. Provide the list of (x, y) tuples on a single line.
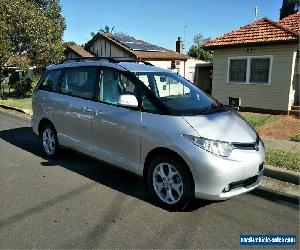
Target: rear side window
[(50, 80), (79, 82)]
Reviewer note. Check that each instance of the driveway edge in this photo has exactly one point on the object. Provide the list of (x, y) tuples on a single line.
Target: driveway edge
[(24, 111), (282, 174)]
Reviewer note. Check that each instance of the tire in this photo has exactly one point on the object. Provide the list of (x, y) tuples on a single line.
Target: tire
[(170, 183), (49, 142)]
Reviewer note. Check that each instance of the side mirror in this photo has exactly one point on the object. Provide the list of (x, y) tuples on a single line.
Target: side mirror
[(128, 101)]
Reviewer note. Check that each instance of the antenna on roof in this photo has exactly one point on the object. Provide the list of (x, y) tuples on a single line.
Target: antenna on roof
[(184, 31), (255, 13)]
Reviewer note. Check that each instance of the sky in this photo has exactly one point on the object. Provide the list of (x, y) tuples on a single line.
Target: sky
[(160, 22)]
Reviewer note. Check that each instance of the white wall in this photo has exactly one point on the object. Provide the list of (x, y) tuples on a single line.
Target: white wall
[(185, 69), (104, 48)]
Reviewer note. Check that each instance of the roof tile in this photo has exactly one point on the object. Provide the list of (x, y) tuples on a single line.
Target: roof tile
[(292, 22), (261, 31), (80, 51)]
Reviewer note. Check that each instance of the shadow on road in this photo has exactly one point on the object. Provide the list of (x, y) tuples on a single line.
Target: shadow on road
[(271, 195), (103, 173), (108, 175)]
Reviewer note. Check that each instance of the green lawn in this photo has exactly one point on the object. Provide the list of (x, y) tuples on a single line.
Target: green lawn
[(21, 104), (259, 120), (283, 159)]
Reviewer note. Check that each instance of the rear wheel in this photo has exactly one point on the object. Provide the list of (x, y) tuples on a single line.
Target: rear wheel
[(170, 183), (49, 141)]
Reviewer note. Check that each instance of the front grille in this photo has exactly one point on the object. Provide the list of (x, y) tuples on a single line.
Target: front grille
[(243, 183), (247, 146)]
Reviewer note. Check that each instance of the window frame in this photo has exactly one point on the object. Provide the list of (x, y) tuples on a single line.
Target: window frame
[(40, 83), (162, 108), (79, 67), (248, 69), (130, 76)]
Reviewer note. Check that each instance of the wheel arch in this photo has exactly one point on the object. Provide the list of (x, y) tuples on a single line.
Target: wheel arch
[(163, 151), (42, 123)]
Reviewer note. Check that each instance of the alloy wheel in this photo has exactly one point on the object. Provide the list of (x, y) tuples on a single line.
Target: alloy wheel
[(49, 143), (167, 183)]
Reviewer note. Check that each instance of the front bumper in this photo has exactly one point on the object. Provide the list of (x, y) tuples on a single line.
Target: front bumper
[(220, 178), (233, 192)]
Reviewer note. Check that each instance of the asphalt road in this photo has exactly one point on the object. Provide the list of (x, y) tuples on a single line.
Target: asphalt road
[(78, 202)]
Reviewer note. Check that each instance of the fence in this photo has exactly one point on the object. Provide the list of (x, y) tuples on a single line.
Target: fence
[(5, 88)]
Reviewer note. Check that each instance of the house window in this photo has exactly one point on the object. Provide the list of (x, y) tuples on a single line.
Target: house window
[(259, 70), (249, 70), (238, 70)]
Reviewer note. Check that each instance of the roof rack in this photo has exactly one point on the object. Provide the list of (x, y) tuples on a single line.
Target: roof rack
[(123, 59), (94, 58), (109, 59)]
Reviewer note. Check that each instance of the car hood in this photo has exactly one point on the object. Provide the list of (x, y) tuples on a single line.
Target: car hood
[(226, 126)]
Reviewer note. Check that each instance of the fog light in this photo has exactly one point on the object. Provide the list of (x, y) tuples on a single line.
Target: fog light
[(226, 189)]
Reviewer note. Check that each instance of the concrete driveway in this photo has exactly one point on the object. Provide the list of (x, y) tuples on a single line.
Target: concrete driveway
[(77, 202)]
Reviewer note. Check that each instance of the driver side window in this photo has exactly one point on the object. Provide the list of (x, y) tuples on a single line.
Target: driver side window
[(113, 84)]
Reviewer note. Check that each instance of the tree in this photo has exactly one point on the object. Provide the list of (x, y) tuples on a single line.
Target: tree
[(5, 44), (289, 7), (52, 9), (32, 30), (106, 29), (197, 51), (69, 43)]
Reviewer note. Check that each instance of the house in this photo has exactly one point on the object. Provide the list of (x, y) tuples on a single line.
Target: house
[(124, 46), (12, 72), (257, 66), (75, 51)]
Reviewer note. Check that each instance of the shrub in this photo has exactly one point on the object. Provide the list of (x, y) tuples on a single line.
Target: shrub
[(296, 138), (23, 87), (35, 79)]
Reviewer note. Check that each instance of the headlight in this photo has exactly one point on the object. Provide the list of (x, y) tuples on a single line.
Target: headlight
[(212, 146)]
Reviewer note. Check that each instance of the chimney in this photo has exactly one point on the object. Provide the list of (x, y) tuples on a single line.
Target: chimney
[(179, 46)]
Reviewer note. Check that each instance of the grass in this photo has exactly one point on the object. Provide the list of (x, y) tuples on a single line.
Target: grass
[(283, 159), (296, 138), (17, 103), (258, 120)]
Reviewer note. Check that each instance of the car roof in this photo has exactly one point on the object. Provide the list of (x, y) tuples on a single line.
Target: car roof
[(123, 66), (140, 67), (84, 64)]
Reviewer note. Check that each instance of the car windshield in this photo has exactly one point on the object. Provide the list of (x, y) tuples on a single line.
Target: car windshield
[(178, 94)]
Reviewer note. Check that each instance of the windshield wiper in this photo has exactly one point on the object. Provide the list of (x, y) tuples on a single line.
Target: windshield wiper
[(214, 109)]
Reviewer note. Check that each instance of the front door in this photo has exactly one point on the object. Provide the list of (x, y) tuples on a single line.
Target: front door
[(116, 130)]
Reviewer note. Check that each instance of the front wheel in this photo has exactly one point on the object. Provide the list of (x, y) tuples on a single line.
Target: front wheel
[(49, 141), (170, 183)]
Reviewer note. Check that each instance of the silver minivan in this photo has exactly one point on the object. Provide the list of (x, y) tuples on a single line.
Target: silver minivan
[(152, 122)]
